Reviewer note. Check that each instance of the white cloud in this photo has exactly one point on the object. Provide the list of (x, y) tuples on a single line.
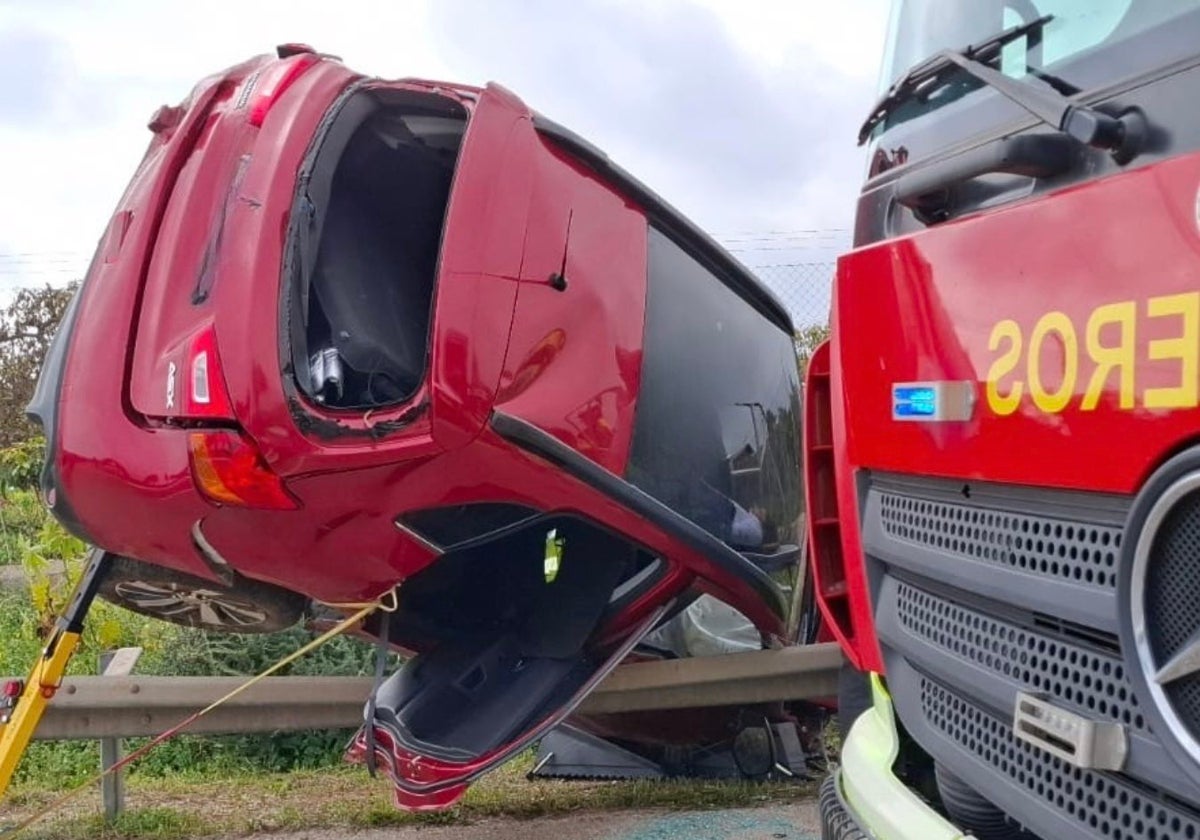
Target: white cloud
[(741, 130), (847, 35), (103, 70), (741, 113)]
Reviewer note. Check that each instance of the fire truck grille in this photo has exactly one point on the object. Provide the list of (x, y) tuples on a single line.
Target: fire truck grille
[(1102, 804), (1172, 593), (1092, 682), (1172, 585), (1081, 553)]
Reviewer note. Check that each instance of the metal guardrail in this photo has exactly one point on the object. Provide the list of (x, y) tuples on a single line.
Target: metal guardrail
[(794, 673), (109, 708), (120, 707)]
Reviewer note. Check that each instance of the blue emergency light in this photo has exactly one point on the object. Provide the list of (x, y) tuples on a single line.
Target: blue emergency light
[(933, 400)]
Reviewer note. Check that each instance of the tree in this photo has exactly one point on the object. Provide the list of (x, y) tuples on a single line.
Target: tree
[(807, 340), (27, 326)]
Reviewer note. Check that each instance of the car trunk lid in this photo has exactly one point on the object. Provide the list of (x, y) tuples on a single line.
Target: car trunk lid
[(514, 633), (449, 716), (175, 372)]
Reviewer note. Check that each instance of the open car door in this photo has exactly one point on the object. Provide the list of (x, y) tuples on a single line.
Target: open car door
[(527, 624)]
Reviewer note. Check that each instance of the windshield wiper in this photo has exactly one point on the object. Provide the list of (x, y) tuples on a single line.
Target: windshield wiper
[(1121, 135), (924, 75)]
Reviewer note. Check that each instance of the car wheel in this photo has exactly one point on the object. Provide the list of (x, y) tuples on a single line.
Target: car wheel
[(249, 606)]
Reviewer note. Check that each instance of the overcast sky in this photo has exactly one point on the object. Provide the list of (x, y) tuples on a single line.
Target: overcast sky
[(742, 113)]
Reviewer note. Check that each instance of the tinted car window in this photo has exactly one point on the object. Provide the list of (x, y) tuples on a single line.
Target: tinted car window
[(716, 436)]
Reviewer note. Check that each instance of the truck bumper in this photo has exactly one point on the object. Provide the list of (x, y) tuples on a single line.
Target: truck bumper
[(865, 799)]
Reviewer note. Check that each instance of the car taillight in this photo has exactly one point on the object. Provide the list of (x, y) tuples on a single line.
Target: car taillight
[(205, 396), (272, 82), (228, 469)]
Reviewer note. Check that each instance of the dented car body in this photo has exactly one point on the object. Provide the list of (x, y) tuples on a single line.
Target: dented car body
[(344, 335)]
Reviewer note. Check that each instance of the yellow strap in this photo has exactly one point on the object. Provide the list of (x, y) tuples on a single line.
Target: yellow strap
[(388, 602), (340, 628)]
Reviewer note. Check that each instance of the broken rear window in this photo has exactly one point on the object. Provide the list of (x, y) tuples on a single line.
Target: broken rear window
[(367, 230)]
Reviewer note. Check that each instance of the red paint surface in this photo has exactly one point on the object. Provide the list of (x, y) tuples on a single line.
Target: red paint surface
[(198, 240), (928, 304), (566, 361), (923, 307), (833, 533)]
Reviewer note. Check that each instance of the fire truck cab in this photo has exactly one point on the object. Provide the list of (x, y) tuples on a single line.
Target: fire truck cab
[(1002, 435)]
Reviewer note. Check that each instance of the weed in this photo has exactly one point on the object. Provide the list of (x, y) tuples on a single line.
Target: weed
[(22, 516), (141, 824), (347, 798), (21, 464)]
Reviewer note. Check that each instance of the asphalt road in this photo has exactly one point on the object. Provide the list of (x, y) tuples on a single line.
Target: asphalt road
[(789, 822)]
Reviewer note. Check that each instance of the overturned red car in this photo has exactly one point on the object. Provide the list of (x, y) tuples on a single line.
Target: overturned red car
[(345, 335)]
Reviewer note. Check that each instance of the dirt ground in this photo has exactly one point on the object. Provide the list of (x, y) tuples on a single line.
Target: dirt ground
[(776, 822), (344, 804)]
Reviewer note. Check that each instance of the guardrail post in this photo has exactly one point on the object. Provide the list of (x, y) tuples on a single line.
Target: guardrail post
[(117, 663), (112, 786)]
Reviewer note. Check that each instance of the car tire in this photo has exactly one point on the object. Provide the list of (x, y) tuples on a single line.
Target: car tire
[(972, 812), (836, 822), (249, 606)]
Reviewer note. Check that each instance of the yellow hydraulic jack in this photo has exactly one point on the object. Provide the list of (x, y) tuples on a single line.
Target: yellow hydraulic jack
[(22, 703)]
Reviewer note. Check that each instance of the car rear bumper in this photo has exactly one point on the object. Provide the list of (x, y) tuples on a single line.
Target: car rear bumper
[(43, 411), (865, 799)]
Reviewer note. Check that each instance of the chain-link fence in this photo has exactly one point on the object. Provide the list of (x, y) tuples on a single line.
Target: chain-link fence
[(803, 287)]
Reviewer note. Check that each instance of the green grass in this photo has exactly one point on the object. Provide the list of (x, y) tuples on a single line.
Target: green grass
[(173, 807), (19, 642), (164, 823), (22, 516)]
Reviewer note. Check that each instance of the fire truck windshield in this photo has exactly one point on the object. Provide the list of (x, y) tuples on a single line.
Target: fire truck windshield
[(920, 29)]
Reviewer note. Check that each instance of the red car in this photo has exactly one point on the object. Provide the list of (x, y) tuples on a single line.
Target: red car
[(343, 335)]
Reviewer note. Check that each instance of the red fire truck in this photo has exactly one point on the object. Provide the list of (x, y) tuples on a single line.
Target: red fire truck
[(1001, 435)]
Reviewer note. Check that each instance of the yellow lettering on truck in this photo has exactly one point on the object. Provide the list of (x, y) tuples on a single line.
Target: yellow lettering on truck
[(1122, 342), (1003, 404), (1052, 402), (1120, 356), (1183, 347)]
